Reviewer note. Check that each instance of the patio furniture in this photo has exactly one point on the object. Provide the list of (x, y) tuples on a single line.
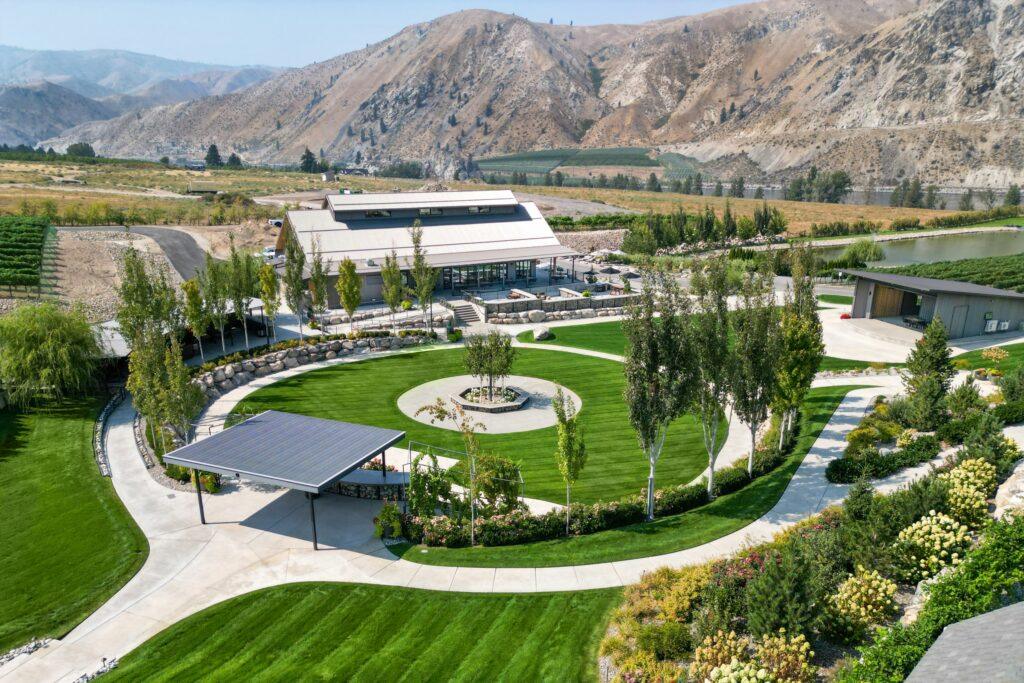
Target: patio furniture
[(915, 321)]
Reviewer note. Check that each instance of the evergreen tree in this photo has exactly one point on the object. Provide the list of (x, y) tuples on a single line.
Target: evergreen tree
[(759, 193), (718, 188), (653, 184), (931, 197), (782, 595), (698, 184), (928, 374), (213, 159), (307, 162), (966, 201), (234, 161), (1012, 196)]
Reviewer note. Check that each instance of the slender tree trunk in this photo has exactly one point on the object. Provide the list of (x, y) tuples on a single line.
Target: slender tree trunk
[(223, 347), (199, 338), (753, 447), (567, 509), (651, 461), (712, 457), (245, 330)]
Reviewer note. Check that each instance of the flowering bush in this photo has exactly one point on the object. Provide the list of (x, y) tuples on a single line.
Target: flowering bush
[(971, 483), (785, 658), (738, 672), (863, 599), (388, 523), (718, 650), (930, 544), (906, 437)]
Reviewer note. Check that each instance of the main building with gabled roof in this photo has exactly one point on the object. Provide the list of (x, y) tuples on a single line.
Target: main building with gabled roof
[(476, 239)]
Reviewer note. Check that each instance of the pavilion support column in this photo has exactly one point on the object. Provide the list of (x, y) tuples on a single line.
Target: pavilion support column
[(312, 517), (384, 464), (199, 496)]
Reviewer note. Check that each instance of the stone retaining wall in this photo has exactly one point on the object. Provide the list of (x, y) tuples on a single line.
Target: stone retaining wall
[(542, 316), (224, 378)]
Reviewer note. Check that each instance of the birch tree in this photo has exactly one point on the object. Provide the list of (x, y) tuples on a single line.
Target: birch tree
[(270, 293), (213, 282), (350, 288), (710, 333), (756, 332), (194, 310), (242, 285), (423, 276), (571, 450), (659, 366), (318, 282), (181, 399), (392, 288), (294, 285)]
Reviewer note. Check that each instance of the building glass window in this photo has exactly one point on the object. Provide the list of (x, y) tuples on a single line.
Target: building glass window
[(525, 269), (377, 213), (431, 212), (479, 209)]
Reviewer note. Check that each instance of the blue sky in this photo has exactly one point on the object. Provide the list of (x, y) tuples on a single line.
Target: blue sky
[(277, 32)]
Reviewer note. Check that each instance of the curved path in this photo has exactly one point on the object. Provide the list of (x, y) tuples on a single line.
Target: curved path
[(258, 537)]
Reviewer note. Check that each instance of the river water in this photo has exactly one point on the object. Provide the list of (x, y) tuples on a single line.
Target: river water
[(942, 248)]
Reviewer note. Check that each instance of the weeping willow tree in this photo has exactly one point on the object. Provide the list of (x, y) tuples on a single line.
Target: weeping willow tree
[(47, 352)]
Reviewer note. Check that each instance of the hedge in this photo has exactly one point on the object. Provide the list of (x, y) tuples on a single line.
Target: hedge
[(1010, 413), (877, 465), (521, 526), (965, 218)]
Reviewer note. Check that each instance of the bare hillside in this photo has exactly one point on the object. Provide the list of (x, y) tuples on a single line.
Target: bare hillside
[(881, 87)]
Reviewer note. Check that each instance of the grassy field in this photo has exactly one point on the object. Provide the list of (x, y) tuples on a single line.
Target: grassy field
[(68, 543), (145, 177), (326, 631), (367, 392), (1004, 272), (838, 299), (974, 359), (799, 214), (667, 534), (608, 337)]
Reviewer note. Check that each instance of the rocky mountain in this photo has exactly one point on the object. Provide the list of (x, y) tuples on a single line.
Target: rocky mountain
[(106, 71), (191, 87), (29, 113), (883, 88)]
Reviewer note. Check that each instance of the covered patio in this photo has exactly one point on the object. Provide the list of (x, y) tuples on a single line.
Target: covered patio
[(298, 452)]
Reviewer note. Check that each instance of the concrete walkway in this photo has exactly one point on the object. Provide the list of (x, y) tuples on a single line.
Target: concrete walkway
[(259, 537)]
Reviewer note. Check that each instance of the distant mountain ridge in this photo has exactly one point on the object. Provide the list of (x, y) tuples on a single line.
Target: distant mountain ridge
[(45, 92), (881, 88)]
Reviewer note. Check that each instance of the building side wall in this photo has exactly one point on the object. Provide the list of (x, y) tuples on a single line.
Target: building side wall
[(1011, 310), (861, 298)]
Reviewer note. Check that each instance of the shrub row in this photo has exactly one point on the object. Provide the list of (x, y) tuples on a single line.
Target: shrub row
[(1010, 413), (523, 527), (964, 218), (873, 465), (844, 228)]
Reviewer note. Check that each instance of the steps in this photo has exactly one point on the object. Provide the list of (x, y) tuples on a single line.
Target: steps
[(465, 313)]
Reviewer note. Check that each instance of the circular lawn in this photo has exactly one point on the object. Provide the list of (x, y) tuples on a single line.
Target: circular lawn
[(367, 391)]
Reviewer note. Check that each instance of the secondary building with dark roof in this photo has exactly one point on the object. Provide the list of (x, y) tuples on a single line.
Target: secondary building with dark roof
[(480, 239), (966, 309)]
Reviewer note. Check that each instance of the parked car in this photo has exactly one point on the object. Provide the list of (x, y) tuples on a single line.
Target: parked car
[(275, 222)]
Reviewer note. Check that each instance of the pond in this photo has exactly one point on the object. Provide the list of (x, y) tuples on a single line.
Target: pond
[(943, 248)]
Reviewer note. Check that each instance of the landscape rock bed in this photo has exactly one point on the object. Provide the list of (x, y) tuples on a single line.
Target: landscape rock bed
[(525, 317), (224, 378)]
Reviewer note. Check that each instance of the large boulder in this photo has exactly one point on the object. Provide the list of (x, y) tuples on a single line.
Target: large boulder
[(541, 333), (291, 362), (277, 366), (537, 316)]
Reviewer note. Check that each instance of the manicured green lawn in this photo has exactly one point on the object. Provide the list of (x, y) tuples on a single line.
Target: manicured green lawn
[(973, 359), (608, 337), (836, 299), (68, 543), (367, 393), (345, 632), (667, 534)]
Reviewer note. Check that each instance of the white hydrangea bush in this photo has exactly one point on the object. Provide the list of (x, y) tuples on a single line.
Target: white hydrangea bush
[(930, 544)]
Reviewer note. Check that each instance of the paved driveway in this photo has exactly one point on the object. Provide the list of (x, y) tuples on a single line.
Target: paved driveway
[(181, 248)]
